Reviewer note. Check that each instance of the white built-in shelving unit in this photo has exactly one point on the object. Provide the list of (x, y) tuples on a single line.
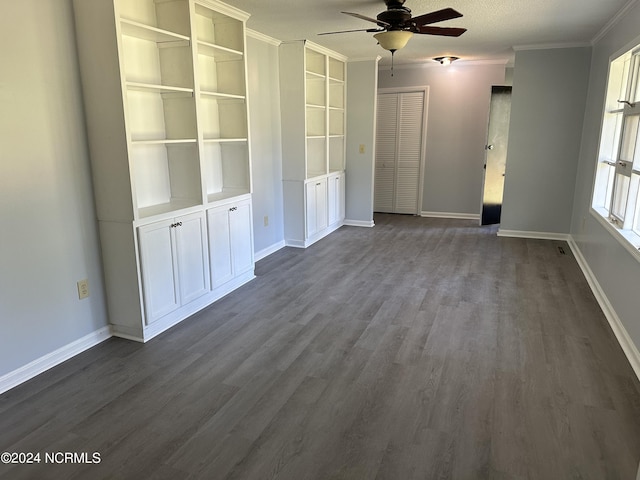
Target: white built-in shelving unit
[(313, 105), (164, 85)]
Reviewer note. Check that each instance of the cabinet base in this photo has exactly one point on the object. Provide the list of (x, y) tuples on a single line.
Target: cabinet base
[(311, 240), (165, 323)]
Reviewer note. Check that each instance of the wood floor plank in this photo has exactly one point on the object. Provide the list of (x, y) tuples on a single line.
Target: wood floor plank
[(418, 349)]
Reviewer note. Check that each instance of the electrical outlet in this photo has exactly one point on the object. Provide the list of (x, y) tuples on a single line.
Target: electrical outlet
[(266, 220), (83, 289), (361, 149)]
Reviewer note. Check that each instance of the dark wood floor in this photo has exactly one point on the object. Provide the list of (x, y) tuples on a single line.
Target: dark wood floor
[(419, 349)]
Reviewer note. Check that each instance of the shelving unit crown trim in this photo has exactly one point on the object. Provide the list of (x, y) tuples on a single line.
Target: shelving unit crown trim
[(319, 49), (224, 8)]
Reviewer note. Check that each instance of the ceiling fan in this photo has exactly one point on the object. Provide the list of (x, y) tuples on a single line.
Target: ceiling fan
[(396, 25)]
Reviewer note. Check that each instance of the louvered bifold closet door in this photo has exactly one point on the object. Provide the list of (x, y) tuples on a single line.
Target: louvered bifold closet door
[(399, 147), (409, 152), (386, 148)]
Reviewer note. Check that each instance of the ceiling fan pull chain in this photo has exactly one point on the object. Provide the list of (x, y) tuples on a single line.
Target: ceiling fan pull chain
[(392, 52)]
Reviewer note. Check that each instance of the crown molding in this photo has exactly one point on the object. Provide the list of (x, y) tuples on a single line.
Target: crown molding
[(429, 63), (365, 59), (611, 23), (226, 9), (551, 46), (262, 37)]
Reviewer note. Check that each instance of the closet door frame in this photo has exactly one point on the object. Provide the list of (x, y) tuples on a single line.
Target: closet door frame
[(424, 89)]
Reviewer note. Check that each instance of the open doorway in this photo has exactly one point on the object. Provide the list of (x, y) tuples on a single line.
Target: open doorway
[(495, 155)]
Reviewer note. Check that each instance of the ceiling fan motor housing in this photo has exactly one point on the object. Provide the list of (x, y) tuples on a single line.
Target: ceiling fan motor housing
[(396, 15)]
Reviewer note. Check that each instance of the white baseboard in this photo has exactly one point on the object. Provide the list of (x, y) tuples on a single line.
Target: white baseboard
[(44, 363), (161, 325), (265, 252), (359, 223), (455, 216), (534, 235), (295, 244), (315, 238), (625, 341)]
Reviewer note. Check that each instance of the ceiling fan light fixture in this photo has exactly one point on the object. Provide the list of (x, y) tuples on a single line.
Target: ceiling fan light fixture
[(446, 60), (393, 40)]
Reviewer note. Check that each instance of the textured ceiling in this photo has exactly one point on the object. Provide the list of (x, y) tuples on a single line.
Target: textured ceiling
[(494, 26)]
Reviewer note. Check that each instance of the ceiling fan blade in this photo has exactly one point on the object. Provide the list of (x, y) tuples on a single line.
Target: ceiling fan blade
[(437, 16), (442, 31), (368, 19), (358, 30)]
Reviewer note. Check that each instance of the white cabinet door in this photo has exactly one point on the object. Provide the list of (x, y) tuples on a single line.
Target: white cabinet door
[(342, 189), (240, 223), (332, 199), (219, 246), (158, 270), (321, 204), (230, 241), (191, 254), (317, 208), (174, 264), (335, 200), (312, 223)]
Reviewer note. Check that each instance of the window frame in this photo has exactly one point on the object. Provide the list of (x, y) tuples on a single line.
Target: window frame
[(615, 199)]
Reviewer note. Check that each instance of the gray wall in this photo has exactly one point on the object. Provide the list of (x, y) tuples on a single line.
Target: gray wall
[(49, 235), (547, 111), (614, 268), (362, 86), (459, 99), (266, 147)]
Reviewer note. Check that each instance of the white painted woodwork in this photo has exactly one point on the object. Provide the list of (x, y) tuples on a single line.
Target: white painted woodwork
[(159, 267), (240, 226), (313, 105), (410, 148), (386, 144), (167, 117), (400, 141), (174, 263), (191, 256), (332, 211), (230, 241), (336, 198), (316, 201), (219, 246)]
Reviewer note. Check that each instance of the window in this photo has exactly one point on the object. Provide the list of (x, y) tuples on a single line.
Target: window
[(616, 195)]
